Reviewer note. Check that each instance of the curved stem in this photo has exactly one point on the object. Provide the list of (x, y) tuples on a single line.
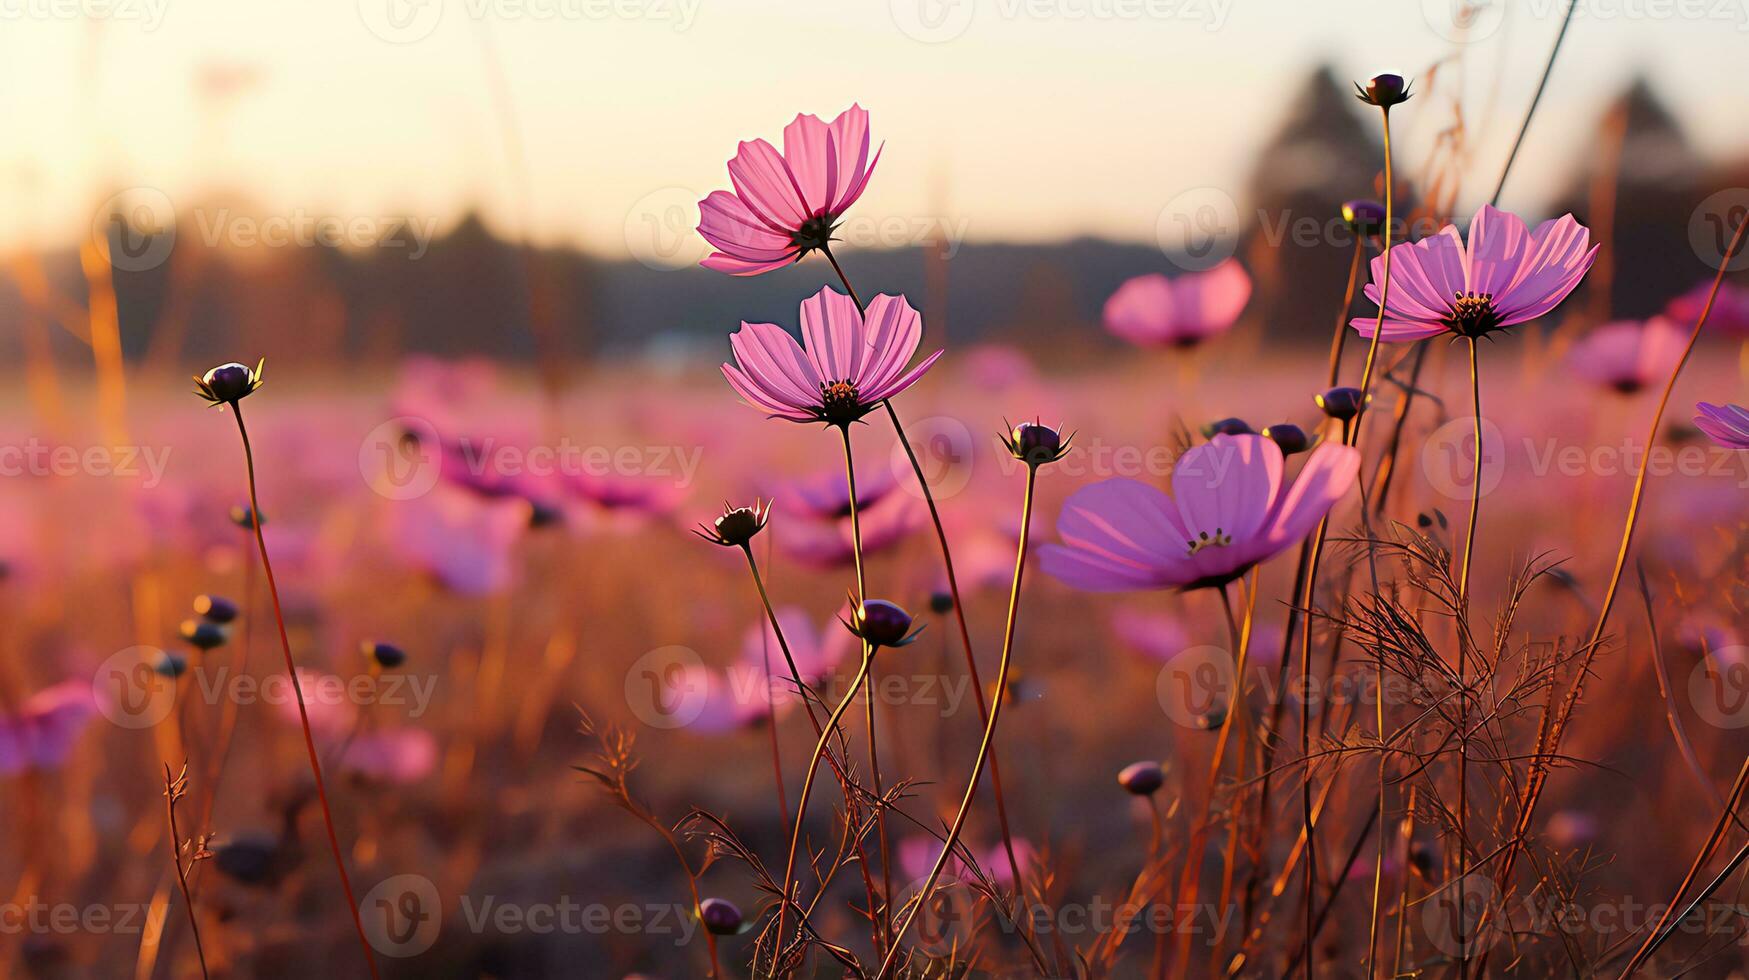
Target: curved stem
[(1539, 775), (795, 840), (1542, 83), (291, 669), (953, 588), (1342, 327), (986, 748)]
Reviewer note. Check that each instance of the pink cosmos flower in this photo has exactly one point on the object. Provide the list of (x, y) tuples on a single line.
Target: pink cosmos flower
[(785, 205), (847, 364), (392, 756), (1153, 310), (467, 543), (1727, 425), (817, 650), (1506, 275), (917, 855), (1232, 510), (1155, 635), (1730, 310), (826, 494), (707, 701), (830, 544), (1626, 355), (41, 735)]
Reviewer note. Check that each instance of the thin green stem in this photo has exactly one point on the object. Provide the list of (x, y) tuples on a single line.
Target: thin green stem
[(986, 748), (291, 669)]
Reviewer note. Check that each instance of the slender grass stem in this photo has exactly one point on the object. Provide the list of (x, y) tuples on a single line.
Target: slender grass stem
[(291, 669), (986, 748), (173, 790), (1540, 773), (953, 588), (795, 840)]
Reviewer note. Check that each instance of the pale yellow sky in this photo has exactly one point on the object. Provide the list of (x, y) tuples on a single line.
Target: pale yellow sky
[(1031, 119)]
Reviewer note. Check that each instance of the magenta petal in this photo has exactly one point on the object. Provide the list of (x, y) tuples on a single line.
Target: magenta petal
[(1326, 476), (1500, 245), (725, 221), (850, 140), (1396, 331), (892, 329), (904, 381), (1727, 425), (763, 181), (1227, 484), (718, 262), (1122, 533), (832, 334)]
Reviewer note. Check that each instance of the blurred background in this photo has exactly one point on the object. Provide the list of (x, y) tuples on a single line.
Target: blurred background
[(471, 223)]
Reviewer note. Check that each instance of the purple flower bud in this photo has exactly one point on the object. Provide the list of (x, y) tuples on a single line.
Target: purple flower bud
[(1291, 438), (1226, 427), (1384, 91), (720, 916), (1142, 778), (202, 634), (228, 383), (941, 603), (215, 609), (1340, 403), (882, 623), (385, 655), (1036, 444), (1364, 217)]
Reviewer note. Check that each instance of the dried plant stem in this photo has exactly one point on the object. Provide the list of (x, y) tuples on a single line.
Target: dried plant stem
[(795, 841), (953, 588), (291, 669), (1549, 746), (174, 787), (986, 748)]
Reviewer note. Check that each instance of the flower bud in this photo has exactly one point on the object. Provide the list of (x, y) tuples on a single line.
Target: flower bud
[(215, 609), (737, 526), (202, 634), (882, 623), (1036, 444), (1341, 404), (244, 518), (1363, 217), (720, 916), (1291, 438), (1142, 778), (228, 383), (384, 655), (1384, 91), (941, 603), (171, 665), (1226, 427)]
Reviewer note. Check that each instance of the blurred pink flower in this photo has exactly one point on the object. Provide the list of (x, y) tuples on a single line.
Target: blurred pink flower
[(1627, 355), (1231, 512), (785, 204), (1157, 636), (395, 756), (917, 856), (1730, 311), (333, 712), (1705, 631), (42, 733), (826, 494), (643, 495), (706, 701), (465, 542), (1506, 275), (1153, 310), (849, 363), (829, 544), (817, 651), (1727, 425)]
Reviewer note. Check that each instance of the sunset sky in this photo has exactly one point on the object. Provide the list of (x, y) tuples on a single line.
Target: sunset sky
[(1005, 119)]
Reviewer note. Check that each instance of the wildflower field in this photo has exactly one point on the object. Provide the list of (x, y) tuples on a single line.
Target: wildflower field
[(1250, 622)]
